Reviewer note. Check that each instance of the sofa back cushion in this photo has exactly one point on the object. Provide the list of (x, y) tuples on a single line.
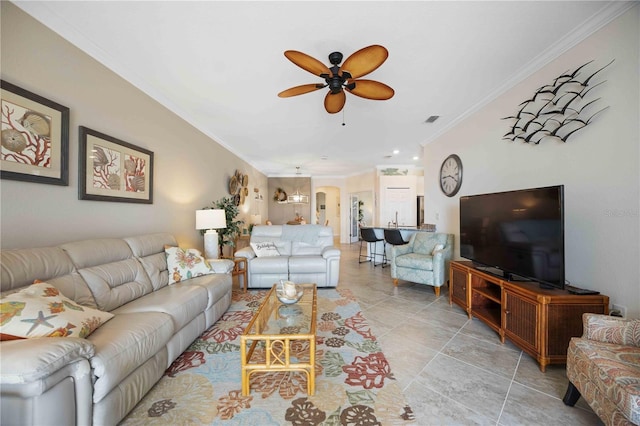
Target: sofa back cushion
[(425, 242), (110, 270), (271, 234), (150, 251), (21, 267), (308, 241)]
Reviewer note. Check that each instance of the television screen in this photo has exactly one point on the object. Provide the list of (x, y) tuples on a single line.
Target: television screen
[(520, 233)]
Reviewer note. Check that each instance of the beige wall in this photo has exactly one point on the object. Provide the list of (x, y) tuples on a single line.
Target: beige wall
[(599, 166), (280, 213), (191, 170)]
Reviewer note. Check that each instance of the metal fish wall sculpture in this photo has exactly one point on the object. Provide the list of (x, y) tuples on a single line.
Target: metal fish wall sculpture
[(557, 110)]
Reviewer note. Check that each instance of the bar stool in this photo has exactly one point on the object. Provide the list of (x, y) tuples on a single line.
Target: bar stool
[(369, 236), (394, 237)]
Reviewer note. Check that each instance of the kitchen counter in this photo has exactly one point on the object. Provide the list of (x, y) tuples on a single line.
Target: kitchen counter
[(428, 228)]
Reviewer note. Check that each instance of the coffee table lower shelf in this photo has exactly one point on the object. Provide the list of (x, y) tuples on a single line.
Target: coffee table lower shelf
[(264, 330), (277, 359)]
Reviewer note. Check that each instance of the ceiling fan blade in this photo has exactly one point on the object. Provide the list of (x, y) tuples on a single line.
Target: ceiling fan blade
[(370, 89), (365, 60), (334, 102), (300, 90), (306, 62)]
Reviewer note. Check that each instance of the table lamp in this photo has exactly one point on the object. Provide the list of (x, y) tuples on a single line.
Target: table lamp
[(211, 219)]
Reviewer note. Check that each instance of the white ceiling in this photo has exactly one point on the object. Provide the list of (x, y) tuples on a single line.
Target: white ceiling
[(219, 65)]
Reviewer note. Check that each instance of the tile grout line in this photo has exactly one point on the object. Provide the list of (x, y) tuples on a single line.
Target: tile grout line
[(506, 397), (434, 357)]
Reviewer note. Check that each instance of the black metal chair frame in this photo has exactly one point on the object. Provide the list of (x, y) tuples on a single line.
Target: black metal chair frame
[(368, 236)]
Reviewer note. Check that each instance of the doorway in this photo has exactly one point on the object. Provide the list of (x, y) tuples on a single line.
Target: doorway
[(361, 213), (328, 208)]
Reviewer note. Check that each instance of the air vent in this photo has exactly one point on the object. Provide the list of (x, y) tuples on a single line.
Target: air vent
[(388, 156), (432, 119)]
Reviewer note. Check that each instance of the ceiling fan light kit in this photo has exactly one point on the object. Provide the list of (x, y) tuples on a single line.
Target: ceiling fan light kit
[(340, 78)]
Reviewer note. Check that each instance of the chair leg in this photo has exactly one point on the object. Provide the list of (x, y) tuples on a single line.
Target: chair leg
[(395, 282), (571, 396), (360, 256), (436, 290), (375, 253), (384, 254)]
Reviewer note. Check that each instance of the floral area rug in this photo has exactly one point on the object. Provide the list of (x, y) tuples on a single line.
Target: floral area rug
[(354, 383)]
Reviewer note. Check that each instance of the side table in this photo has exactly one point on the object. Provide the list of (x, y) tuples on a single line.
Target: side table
[(240, 271)]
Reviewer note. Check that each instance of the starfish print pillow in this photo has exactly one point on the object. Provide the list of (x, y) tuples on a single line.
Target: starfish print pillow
[(40, 310)]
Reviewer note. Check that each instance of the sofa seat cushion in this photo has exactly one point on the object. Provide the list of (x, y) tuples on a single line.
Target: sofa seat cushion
[(269, 265), (415, 261), (123, 344), (607, 369), (216, 285), (182, 303), (307, 264)]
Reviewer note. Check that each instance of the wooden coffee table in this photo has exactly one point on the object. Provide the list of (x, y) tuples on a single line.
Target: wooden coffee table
[(275, 327)]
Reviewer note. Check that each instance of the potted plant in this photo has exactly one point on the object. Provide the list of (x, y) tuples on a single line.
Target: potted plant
[(228, 235)]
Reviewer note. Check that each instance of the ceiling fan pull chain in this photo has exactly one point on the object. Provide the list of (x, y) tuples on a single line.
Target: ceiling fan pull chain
[(343, 123)]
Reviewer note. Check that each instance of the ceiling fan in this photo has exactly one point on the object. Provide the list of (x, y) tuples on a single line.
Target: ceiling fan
[(338, 78)]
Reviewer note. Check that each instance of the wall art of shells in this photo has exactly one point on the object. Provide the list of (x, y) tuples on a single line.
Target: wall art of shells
[(559, 109), (25, 136)]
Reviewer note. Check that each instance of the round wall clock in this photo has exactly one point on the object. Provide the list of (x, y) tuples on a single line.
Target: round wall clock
[(451, 175)]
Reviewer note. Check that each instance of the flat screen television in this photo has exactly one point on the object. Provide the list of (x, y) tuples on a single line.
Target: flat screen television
[(516, 234)]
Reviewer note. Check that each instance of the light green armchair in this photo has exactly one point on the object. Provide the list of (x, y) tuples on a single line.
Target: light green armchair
[(424, 260)]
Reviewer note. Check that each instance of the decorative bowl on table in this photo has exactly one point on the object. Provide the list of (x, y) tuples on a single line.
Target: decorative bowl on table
[(288, 292)]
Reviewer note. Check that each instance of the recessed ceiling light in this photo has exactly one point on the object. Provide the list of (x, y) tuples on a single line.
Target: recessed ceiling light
[(396, 151), (415, 157), (432, 119)]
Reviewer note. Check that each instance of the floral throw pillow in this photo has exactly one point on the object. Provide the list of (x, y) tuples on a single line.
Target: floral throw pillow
[(40, 310), (184, 264)]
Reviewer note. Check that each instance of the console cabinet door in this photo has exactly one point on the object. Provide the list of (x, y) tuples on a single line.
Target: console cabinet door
[(521, 320), (459, 283)]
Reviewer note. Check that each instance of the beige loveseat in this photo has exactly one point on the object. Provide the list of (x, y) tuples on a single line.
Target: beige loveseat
[(99, 379), (603, 366), (303, 254)]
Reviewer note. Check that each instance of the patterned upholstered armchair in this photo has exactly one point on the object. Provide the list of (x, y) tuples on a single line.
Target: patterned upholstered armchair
[(603, 366), (424, 260)]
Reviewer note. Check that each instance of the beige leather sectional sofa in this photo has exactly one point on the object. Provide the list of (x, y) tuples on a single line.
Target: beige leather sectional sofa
[(99, 379)]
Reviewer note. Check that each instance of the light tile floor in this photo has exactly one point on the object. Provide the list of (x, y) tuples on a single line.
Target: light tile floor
[(454, 370)]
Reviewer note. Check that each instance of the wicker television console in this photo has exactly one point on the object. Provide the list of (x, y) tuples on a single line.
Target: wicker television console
[(539, 321)]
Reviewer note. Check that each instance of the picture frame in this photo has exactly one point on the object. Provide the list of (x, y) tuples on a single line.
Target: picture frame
[(113, 170), (35, 137)]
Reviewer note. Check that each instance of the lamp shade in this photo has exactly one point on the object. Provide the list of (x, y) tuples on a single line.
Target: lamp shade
[(211, 219), (256, 219)]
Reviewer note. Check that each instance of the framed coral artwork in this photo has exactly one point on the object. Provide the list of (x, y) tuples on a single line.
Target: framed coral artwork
[(35, 137), (113, 170)]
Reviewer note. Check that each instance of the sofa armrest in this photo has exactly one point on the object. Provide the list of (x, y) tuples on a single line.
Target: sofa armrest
[(608, 329), (330, 252), (29, 360), (246, 252), (46, 381), (221, 266)]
